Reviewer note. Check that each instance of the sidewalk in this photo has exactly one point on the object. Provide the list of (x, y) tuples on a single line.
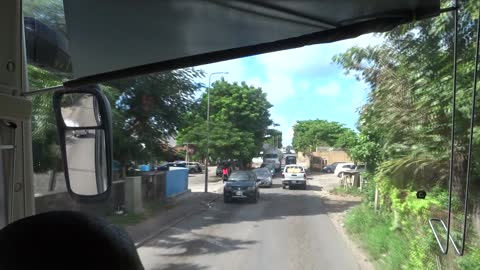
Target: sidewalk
[(183, 207)]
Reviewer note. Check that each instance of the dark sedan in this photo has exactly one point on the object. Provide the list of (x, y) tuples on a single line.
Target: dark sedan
[(241, 185), (330, 168)]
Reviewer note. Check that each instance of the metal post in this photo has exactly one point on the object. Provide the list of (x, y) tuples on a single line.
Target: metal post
[(208, 127)]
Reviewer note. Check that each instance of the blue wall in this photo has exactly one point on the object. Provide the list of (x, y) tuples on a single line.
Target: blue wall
[(176, 182)]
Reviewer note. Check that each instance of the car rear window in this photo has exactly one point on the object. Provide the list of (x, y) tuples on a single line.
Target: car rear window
[(294, 170), (240, 177)]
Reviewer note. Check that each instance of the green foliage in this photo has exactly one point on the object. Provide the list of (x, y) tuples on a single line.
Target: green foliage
[(46, 153), (275, 138), (146, 111), (353, 191), (471, 260), (312, 133), (239, 120), (373, 231)]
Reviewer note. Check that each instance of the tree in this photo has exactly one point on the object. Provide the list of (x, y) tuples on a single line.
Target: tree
[(46, 153), (149, 110), (274, 138), (309, 134), (239, 120)]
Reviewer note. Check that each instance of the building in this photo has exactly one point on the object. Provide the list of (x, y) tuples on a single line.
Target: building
[(319, 159)]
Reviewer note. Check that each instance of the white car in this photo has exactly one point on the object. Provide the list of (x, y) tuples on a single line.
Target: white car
[(294, 176), (342, 167)]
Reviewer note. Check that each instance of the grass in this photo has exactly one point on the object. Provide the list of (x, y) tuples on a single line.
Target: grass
[(387, 247), (352, 191), (150, 209)]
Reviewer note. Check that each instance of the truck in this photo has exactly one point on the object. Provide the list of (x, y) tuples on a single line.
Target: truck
[(288, 159), (273, 155)]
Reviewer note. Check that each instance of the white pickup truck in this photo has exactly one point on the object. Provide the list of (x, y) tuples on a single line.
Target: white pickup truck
[(294, 176)]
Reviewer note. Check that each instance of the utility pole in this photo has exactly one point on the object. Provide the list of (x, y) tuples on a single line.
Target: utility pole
[(208, 126)]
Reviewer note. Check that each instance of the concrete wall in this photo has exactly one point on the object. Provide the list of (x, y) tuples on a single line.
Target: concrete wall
[(317, 160), (176, 182), (62, 201), (130, 194)]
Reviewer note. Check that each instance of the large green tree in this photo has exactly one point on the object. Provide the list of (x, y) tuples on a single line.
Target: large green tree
[(309, 134), (239, 120)]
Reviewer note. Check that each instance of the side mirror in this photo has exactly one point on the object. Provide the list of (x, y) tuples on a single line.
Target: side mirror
[(84, 129)]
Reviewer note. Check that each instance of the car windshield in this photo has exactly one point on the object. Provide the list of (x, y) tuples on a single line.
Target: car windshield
[(262, 172), (384, 100), (238, 177)]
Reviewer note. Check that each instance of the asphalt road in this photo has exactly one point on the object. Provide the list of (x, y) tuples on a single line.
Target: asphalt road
[(286, 229)]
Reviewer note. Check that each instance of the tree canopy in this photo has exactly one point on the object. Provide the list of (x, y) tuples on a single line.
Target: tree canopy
[(309, 134), (239, 121)]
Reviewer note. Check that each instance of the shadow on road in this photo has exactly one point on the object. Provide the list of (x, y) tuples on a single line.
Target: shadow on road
[(314, 187), (198, 244), (183, 241)]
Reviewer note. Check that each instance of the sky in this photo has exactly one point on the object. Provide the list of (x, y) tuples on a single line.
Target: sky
[(302, 84)]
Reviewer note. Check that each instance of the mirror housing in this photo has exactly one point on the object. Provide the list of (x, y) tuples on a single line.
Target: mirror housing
[(84, 128)]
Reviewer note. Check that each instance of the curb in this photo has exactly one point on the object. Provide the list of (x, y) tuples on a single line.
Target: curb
[(173, 223)]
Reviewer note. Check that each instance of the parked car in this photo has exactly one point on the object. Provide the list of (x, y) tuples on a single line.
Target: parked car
[(342, 168), (270, 167), (241, 185), (294, 176), (193, 167), (166, 166), (360, 168), (331, 167), (264, 176)]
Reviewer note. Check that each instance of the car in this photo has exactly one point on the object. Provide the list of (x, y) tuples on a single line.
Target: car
[(294, 176), (270, 167), (331, 167), (194, 167), (264, 176), (166, 166), (360, 168), (342, 168), (241, 185)]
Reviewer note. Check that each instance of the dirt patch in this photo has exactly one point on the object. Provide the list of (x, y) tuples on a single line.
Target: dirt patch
[(337, 207)]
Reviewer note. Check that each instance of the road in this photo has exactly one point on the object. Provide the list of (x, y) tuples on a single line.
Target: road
[(286, 229), (196, 181)]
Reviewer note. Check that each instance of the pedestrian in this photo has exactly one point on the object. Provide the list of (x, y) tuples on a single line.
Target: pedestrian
[(225, 173)]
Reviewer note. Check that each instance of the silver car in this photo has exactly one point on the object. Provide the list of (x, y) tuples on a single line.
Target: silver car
[(264, 176)]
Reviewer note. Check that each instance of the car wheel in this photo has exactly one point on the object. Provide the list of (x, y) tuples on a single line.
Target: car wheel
[(340, 175), (290, 187), (255, 199), (271, 184), (284, 186), (226, 199), (305, 187)]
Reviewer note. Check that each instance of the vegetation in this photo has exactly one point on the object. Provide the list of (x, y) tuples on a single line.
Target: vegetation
[(239, 121), (146, 112), (312, 133), (405, 131)]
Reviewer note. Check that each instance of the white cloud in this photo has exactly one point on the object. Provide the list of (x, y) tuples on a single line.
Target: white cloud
[(304, 85), (314, 58), (332, 89)]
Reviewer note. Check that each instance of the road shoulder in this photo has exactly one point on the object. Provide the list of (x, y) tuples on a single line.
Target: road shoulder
[(186, 206), (337, 207)]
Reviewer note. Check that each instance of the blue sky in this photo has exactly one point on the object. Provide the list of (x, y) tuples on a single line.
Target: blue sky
[(301, 83)]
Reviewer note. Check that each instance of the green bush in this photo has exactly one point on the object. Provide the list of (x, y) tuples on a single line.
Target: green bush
[(373, 231)]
